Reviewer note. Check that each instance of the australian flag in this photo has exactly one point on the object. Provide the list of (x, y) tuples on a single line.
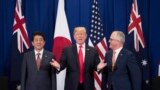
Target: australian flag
[(138, 46), (20, 43)]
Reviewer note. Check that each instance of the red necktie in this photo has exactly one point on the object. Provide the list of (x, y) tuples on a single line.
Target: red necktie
[(38, 60), (81, 65)]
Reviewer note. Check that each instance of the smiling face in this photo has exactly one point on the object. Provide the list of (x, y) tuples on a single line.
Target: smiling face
[(38, 42), (80, 35)]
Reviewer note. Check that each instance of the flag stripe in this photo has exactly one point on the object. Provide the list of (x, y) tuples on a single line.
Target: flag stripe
[(104, 44), (99, 52), (97, 79), (97, 87)]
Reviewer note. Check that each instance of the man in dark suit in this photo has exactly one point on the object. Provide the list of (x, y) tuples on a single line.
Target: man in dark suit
[(37, 73), (80, 61), (122, 71)]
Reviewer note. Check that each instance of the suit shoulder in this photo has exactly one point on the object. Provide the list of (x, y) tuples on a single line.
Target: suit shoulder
[(109, 51), (67, 48), (48, 52), (127, 52), (29, 52), (91, 48)]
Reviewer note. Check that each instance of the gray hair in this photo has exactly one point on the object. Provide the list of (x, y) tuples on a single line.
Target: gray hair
[(79, 28), (120, 36)]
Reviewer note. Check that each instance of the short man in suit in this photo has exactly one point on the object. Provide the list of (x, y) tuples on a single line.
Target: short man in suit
[(80, 61), (122, 71), (37, 73)]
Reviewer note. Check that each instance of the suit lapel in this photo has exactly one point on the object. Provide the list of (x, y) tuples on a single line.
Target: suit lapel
[(120, 56), (43, 58), (33, 60), (109, 59), (87, 55), (75, 54)]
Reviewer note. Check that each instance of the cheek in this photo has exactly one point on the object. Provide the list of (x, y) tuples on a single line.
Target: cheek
[(75, 37), (111, 43), (84, 37), (43, 44)]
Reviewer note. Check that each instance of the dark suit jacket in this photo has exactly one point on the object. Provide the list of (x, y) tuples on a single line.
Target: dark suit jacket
[(34, 79), (69, 60), (127, 73)]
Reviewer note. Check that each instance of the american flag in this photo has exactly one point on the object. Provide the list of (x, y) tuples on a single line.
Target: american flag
[(19, 27), (140, 50), (97, 38)]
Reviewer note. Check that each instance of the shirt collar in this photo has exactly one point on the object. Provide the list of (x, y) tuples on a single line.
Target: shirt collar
[(118, 50), (41, 52), (83, 45)]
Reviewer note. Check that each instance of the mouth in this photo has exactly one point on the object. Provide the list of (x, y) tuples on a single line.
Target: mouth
[(80, 39)]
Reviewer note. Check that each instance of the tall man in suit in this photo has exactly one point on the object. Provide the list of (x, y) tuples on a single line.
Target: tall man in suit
[(122, 71), (37, 73), (80, 61)]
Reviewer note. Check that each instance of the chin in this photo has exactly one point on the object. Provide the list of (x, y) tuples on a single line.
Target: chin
[(39, 48), (80, 42)]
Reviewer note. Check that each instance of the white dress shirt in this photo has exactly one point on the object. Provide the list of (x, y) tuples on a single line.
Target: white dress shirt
[(41, 53), (117, 51)]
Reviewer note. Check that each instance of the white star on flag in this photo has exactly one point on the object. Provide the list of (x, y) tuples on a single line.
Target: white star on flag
[(144, 62)]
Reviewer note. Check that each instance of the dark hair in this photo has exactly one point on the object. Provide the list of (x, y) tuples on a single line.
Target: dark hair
[(39, 34)]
